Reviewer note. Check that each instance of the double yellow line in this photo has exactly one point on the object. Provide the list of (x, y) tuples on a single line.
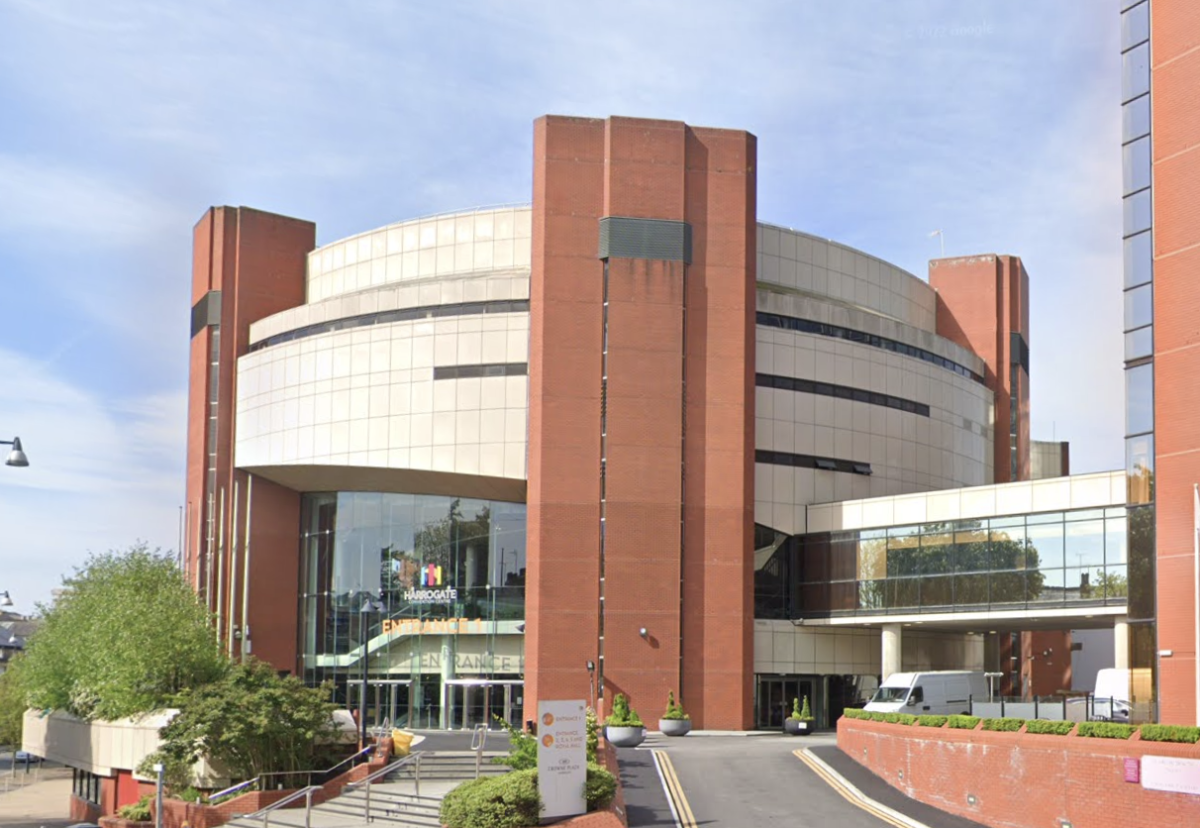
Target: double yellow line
[(679, 803), (870, 806)]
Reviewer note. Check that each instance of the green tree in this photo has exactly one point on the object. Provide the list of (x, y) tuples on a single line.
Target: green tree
[(12, 703), (127, 634), (252, 721)]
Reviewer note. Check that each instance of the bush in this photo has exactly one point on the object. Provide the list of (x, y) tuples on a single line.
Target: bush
[(1106, 730), (1170, 733), (1005, 725), (622, 714), (138, 811), (600, 788), (855, 713), (931, 721), (522, 748), (963, 722), (592, 727), (177, 774), (674, 711), (801, 714), (895, 718), (1051, 728), (508, 801)]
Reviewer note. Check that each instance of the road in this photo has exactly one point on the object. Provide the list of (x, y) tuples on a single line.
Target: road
[(751, 782)]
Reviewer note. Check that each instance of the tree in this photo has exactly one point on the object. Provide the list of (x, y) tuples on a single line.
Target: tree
[(252, 721), (127, 634), (12, 703)]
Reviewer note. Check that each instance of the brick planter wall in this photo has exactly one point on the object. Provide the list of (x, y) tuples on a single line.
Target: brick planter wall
[(614, 815), (80, 810), (1019, 779), (117, 822)]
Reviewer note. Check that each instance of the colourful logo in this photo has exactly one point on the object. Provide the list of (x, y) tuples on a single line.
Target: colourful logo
[(431, 575)]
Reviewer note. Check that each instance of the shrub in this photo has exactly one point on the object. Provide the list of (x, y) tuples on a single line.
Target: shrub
[(622, 714), (592, 727), (138, 811), (801, 714), (1005, 725), (177, 774), (963, 722), (674, 711), (522, 748), (1170, 733), (1106, 730), (931, 721), (895, 718), (1052, 728), (855, 713), (600, 787), (508, 801)]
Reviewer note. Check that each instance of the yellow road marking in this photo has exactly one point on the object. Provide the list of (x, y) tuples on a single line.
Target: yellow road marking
[(683, 810), (837, 785)]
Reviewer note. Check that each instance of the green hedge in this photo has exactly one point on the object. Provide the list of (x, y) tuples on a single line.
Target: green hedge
[(508, 801), (1106, 730), (1050, 728), (1005, 725), (1170, 733), (875, 716), (963, 722), (931, 721), (600, 788), (855, 713)]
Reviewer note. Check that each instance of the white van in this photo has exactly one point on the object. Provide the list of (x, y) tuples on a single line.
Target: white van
[(944, 692)]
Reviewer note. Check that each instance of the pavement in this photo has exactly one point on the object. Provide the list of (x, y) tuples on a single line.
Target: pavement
[(752, 783), (35, 800)]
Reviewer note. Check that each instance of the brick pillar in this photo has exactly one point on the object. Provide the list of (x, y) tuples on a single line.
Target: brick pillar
[(641, 415)]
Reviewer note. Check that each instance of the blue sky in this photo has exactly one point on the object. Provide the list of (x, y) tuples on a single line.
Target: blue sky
[(878, 122)]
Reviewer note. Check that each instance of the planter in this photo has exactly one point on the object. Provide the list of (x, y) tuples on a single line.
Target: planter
[(675, 727), (798, 727), (624, 736)]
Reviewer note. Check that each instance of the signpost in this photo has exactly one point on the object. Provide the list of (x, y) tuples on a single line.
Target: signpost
[(562, 757)]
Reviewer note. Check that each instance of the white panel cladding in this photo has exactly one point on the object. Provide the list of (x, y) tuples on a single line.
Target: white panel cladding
[(367, 397), (907, 452), (822, 267), (1083, 491), (474, 241)]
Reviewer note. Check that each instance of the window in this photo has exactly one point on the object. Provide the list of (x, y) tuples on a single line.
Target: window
[(1135, 72), (1135, 118), (1135, 26), (1139, 307), (1135, 165), (1139, 399), (916, 696), (1139, 259), (1137, 212), (1139, 469), (1139, 343)]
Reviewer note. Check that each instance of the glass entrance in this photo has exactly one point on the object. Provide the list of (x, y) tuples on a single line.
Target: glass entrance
[(389, 703), (472, 702), (773, 702)]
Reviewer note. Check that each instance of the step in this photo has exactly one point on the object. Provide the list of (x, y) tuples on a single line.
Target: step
[(380, 813)]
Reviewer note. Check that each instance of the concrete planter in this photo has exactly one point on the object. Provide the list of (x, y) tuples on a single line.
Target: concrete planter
[(624, 736), (675, 727), (798, 727)]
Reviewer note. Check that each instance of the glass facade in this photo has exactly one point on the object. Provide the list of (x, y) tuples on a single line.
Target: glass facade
[(1049, 560), (1137, 170), (444, 648)]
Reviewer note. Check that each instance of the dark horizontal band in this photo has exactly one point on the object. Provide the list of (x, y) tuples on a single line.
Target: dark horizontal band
[(791, 323), (841, 392), (398, 315), (808, 461), (637, 238), (492, 369)]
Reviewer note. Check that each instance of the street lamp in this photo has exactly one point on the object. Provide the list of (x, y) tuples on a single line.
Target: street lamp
[(16, 457), (369, 606)]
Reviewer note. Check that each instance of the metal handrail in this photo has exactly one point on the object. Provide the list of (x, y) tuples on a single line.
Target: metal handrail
[(307, 793), (366, 781), (233, 788), (310, 773)]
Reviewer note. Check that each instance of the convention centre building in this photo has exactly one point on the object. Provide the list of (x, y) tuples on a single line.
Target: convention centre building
[(628, 438)]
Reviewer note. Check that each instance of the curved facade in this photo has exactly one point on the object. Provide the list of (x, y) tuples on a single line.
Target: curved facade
[(621, 388)]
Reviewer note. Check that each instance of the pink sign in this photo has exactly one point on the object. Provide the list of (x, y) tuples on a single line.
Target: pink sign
[(1132, 770)]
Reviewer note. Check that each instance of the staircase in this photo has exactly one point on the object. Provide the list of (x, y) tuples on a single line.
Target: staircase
[(393, 798)]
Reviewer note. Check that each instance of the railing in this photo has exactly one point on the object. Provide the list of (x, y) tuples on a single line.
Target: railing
[(412, 759), (306, 793), (1085, 708), (264, 778), (478, 740)]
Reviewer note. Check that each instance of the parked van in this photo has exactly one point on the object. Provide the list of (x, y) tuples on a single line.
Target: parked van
[(943, 692)]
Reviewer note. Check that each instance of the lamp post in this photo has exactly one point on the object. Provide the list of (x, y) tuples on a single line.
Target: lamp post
[(16, 457), (369, 606)]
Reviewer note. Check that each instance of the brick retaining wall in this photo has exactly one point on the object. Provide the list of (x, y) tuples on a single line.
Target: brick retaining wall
[(1020, 779)]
